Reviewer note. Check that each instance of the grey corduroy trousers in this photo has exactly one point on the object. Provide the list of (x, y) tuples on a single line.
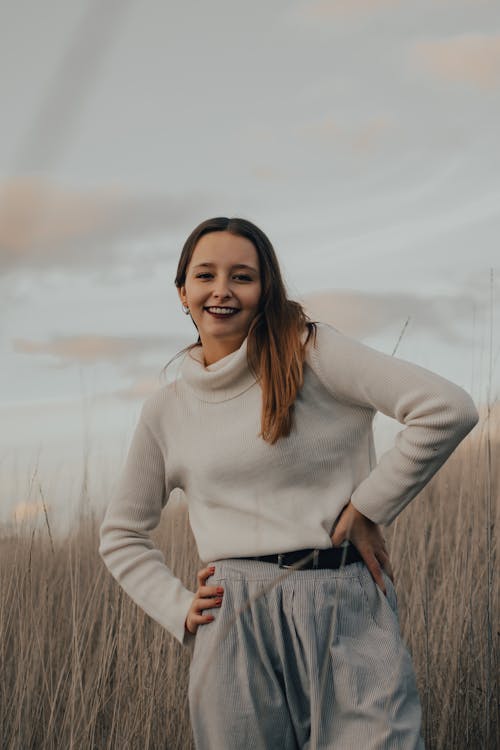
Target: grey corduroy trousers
[(302, 660)]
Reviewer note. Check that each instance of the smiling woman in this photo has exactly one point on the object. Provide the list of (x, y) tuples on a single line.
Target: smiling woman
[(329, 668), (222, 293)]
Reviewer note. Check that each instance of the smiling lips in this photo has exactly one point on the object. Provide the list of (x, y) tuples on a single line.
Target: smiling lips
[(222, 311)]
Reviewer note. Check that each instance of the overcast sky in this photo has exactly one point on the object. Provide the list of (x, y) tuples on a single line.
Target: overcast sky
[(360, 135)]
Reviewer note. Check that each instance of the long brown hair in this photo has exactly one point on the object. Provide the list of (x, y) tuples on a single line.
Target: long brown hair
[(275, 353)]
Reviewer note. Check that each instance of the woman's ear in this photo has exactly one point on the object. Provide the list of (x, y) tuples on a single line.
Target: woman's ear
[(181, 291)]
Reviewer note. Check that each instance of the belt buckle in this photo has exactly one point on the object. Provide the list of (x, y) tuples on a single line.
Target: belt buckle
[(281, 555), (281, 564)]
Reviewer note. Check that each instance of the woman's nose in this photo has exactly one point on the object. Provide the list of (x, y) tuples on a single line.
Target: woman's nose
[(222, 289)]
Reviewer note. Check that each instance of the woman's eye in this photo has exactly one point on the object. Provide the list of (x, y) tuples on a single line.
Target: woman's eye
[(237, 276)]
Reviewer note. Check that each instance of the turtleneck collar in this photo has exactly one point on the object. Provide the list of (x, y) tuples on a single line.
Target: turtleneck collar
[(222, 380)]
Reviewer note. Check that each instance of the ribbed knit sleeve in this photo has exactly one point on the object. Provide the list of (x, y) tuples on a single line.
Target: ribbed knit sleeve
[(125, 545), (437, 413)]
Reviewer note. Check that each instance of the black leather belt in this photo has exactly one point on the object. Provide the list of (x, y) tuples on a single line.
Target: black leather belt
[(331, 557)]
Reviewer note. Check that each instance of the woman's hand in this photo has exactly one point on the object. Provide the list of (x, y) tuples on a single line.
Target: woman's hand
[(203, 599), (368, 540)]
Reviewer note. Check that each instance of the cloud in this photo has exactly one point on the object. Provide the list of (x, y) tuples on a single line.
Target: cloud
[(25, 511), (362, 314), (45, 226), (269, 173), (360, 138), (94, 349), (138, 390), (130, 355), (468, 58)]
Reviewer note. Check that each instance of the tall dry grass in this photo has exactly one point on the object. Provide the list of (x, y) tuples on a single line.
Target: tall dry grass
[(83, 667)]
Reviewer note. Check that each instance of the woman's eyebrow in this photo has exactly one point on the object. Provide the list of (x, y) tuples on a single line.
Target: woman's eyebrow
[(236, 265)]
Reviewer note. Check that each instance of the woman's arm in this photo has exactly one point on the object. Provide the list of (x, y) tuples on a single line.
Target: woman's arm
[(437, 413), (125, 545), (368, 540)]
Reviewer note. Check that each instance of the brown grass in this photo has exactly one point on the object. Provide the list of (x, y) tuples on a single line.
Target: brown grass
[(83, 667)]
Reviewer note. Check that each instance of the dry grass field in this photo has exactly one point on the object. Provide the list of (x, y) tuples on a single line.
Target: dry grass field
[(83, 667)]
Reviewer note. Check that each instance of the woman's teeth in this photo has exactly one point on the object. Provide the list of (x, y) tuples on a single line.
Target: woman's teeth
[(221, 310)]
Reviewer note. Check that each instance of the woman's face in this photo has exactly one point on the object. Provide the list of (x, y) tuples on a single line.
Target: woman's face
[(224, 272)]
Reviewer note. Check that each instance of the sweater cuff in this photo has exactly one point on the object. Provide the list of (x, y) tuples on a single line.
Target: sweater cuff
[(370, 514), (188, 640), (184, 637)]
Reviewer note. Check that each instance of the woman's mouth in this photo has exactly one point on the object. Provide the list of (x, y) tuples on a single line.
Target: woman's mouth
[(222, 312)]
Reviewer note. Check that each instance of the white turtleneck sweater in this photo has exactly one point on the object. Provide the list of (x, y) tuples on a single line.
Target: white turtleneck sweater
[(246, 497)]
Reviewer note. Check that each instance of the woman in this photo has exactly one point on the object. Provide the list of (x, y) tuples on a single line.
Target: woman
[(268, 432)]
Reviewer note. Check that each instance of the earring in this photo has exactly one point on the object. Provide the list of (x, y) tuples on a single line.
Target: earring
[(185, 309)]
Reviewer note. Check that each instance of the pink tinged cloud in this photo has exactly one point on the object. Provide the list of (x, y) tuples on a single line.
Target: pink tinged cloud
[(45, 225), (128, 354), (468, 58), (361, 314), (89, 349), (360, 138), (27, 510)]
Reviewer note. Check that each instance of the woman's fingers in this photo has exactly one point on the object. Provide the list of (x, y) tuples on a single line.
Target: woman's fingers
[(386, 564), (343, 526), (203, 574), (375, 569), (203, 599), (377, 561)]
